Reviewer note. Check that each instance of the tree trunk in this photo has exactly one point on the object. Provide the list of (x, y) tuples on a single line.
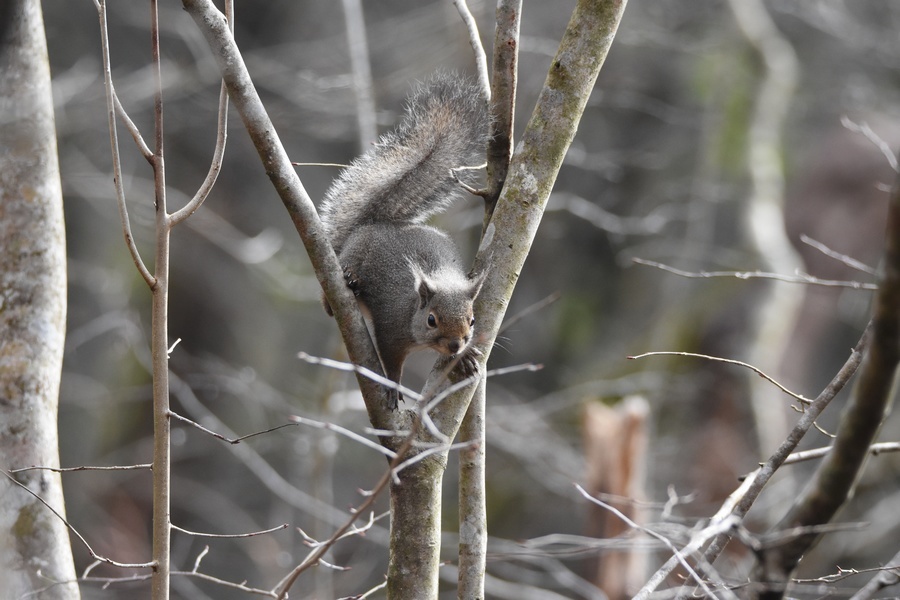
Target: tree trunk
[(34, 543)]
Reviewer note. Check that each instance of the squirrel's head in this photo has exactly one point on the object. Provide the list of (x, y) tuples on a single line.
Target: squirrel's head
[(444, 320)]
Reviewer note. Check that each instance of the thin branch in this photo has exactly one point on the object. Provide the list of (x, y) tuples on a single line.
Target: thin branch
[(283, 176), (398, 462), (282, 588), (114, 143), (362, 371), (224, 583), (729, 361), (430, 451), (503, 100), (345, 432), (423, 408), (219, 436), (850, 262), (666, 541), (867, 408), (477, 47), (108, 581), (529, 310), (890, 576), (228, 535), (318, 164), (873, 137), (94, 555), (799, 278), (367, 593), (144, 149), (737, 505), (82, 468), (214, 168), (357, 42), (314, 543)]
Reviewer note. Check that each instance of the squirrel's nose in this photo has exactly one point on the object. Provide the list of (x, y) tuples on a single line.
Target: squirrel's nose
[(454, 346)]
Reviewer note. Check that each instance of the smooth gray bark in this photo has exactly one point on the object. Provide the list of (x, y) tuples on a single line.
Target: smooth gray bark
[(34, 544)]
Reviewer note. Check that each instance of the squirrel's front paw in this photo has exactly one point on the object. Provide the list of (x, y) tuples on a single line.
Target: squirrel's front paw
[(394, 397), (468, 362), (352, 280)]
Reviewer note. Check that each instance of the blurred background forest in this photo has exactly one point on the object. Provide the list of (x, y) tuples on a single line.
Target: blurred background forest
[(661, 169)]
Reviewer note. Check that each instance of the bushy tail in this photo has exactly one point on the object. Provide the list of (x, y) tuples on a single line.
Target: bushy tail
[(406, 177)]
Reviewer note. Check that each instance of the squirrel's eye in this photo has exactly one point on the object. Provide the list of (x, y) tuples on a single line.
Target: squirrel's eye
[(432, 322), (472, 322)]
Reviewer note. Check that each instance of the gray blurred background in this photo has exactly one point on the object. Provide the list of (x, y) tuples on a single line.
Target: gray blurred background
[(659, 170)]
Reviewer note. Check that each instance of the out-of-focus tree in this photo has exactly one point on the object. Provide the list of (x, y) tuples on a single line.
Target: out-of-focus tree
[(35, 556)]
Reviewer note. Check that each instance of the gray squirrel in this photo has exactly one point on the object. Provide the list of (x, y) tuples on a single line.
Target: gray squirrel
[(408, 277)]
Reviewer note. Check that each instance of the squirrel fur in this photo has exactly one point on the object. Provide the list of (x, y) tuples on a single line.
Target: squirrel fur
[(408, 277)]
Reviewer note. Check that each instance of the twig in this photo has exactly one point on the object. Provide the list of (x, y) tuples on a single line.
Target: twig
[(314, 543), (145, 150), (528, 310), (282, 587), (847, 260), (835, 477), (740, 501), (873, 137), (229, 535), (367, 373), (668, 543), (362, 72), (503, 101), (729, 361), (219, 436), (889, 576), (477, 47), (114, 143), (799, 278), (82, 468), (94, 555), (345, 432), (218, 153)]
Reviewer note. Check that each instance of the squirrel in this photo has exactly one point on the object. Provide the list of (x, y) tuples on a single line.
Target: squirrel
[(408, 277)]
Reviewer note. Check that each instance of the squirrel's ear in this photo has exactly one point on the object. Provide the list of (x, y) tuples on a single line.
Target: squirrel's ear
[(424, 285), (476, 282)]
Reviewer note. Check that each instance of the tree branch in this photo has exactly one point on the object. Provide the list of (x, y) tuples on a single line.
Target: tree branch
[(303, 214), (859, 423)]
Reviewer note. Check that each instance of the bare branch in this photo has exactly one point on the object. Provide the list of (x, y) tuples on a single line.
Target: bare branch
[(722, 525), (528, 310), (668, 543), (729, 361), (362, 371), (94, 555), (850, 262), (247, 102), (228, 535), (740, 501), (860, 422), (82, 468), (503, 100), (214, 168), (145, 150), (799, 278), (873, 137), (345, 432), (218, 436), (477, 47), (114, 143), (357, 42), (890, 576)]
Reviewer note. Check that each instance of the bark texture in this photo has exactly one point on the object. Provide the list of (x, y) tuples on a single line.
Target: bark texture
[(34, 544)]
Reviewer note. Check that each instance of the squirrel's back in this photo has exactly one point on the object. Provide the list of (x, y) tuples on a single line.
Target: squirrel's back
[(409, 174)]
